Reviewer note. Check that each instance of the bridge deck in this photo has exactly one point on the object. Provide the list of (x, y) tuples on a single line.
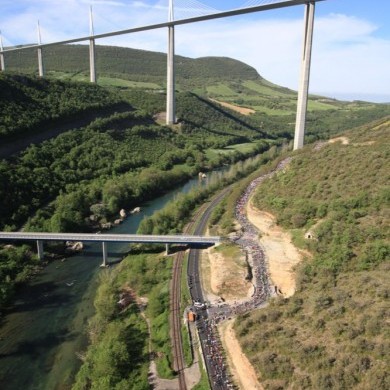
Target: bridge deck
[(158, 239), (218, 15)]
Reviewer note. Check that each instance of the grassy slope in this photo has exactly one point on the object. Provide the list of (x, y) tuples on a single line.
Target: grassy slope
[(332, 333)]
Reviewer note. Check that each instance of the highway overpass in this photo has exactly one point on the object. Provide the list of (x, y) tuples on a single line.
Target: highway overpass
[(39, 238)]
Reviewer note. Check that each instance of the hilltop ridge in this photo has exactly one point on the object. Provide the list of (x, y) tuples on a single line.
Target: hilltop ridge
[(141, 65)]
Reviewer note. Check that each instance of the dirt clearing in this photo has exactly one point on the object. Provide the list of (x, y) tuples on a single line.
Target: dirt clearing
[(241, 110), (281, 254), (243, 372)]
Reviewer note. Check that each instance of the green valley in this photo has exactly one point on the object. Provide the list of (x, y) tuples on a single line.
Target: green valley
[(105, 147)]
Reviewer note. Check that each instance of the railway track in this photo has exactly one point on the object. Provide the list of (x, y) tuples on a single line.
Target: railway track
[(177, 342), (176, 314)]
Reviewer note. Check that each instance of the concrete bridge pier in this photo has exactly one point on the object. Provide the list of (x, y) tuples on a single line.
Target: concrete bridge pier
[(305, 75), (92, 58), (40, 250), (105, 257), (166, 249), (2, 62), (171, 111), (40, 62), (40, 57), (92, 55)]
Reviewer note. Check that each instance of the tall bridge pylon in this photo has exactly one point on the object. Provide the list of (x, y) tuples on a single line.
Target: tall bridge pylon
[(2, 62), (40, 57), (303, 90), (171, 109), (92, 55)]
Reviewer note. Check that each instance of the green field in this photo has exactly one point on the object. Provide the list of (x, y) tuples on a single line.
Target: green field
[(243, 148)]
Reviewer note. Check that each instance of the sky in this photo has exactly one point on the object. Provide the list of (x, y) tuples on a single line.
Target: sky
[(351, 43)]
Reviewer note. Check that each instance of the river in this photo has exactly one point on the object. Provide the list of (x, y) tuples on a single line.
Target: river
[(45, 330)]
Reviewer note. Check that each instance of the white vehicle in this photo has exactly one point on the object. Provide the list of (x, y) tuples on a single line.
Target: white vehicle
[(201, 305)]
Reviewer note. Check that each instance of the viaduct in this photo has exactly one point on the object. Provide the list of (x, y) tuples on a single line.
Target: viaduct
[(170, 24)]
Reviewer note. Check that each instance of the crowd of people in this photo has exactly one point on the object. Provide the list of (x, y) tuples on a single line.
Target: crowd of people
[(248, 240), (213, 352)]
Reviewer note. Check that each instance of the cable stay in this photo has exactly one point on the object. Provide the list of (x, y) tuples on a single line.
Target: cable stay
[(255, 3), (192, 8)]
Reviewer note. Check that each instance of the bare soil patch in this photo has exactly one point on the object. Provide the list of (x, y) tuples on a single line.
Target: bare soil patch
[(343, 140), (282, 256), (241, 110), (224, 276), (243, 372)]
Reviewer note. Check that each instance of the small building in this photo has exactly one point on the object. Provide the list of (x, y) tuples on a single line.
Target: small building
[(309, 235), (191, 316)]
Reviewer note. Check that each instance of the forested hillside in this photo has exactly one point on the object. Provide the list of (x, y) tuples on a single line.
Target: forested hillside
[(333, 333), (123, 143), (27, 103), (115, 162)]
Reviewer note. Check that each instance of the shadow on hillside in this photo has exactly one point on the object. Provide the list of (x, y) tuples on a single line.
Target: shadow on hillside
[(19, 142), (234, 118)]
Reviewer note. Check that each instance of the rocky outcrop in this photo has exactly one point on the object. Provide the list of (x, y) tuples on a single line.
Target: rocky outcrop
[(74, 246)]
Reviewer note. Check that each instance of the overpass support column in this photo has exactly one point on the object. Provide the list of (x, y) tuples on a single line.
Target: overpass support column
[(40, 250), (166, 249), (104, 248), (171, 114), (305, 76)]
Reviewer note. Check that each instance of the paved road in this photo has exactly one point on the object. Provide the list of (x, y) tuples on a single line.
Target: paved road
[(209, 317), (212, 350)]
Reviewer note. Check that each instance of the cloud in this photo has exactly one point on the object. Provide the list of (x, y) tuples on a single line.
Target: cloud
[(347, 56)]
